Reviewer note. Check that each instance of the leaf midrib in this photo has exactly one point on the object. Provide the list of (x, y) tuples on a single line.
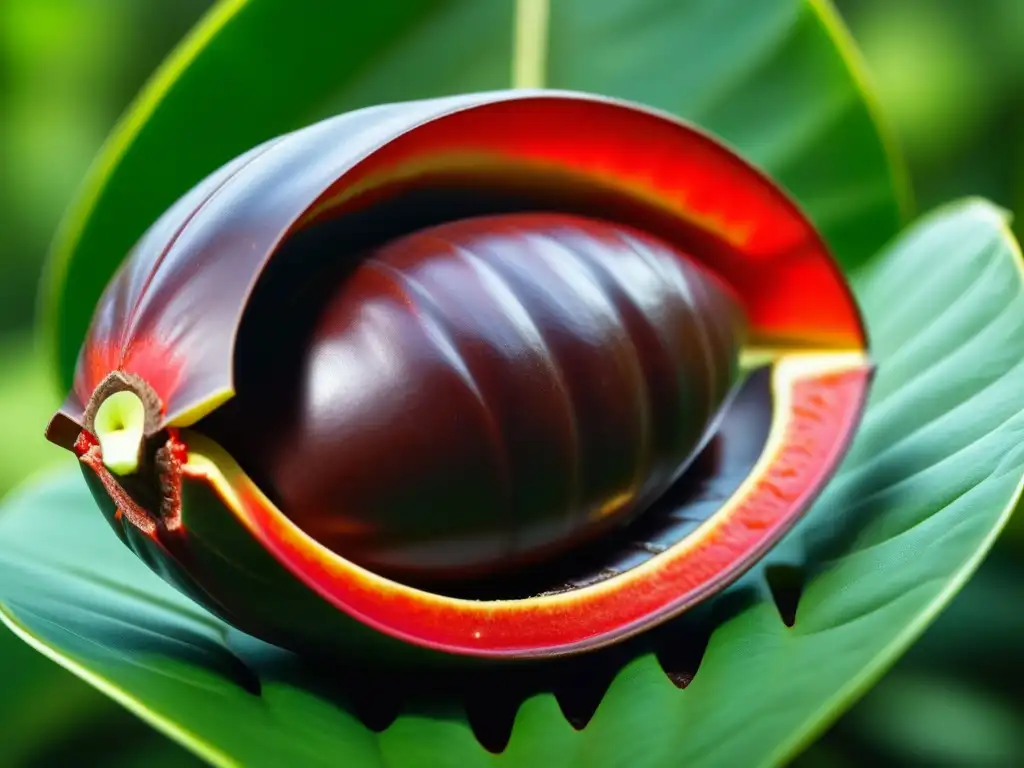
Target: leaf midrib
[(530, 43)]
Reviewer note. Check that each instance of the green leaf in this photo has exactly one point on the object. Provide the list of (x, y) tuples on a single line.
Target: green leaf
[(779, 79), (51, 717), (954, 698), (39, 700), (930, 480)]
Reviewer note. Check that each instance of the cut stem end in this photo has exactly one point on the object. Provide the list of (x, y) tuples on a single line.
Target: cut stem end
[(120, 424)]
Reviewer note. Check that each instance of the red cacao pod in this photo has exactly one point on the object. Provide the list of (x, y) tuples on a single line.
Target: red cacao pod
[(507, 375)]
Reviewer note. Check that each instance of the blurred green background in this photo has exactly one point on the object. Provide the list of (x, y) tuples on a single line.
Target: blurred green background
[(949, 75)]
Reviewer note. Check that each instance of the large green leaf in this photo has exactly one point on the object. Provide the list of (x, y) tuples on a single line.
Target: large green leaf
[(777, 78), (954, 699), (50, 717), (929, 482)]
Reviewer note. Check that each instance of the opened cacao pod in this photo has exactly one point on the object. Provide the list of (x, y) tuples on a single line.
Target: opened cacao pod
[(506, 375)]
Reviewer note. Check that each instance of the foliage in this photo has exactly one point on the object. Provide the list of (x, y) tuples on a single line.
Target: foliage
[(67, 78), (894, 535)]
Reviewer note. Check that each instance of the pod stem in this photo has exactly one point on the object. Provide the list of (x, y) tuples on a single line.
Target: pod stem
[(135, 456)]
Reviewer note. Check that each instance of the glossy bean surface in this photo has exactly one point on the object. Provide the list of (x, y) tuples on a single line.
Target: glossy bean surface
[(484, 393)]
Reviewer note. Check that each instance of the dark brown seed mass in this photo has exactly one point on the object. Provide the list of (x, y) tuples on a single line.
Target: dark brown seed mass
[(485, 392)]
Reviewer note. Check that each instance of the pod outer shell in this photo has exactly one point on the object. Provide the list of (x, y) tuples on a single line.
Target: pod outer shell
[(172, 313)]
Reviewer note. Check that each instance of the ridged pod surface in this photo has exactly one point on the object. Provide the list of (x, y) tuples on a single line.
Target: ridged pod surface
[(484, 392), (442, 376)]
